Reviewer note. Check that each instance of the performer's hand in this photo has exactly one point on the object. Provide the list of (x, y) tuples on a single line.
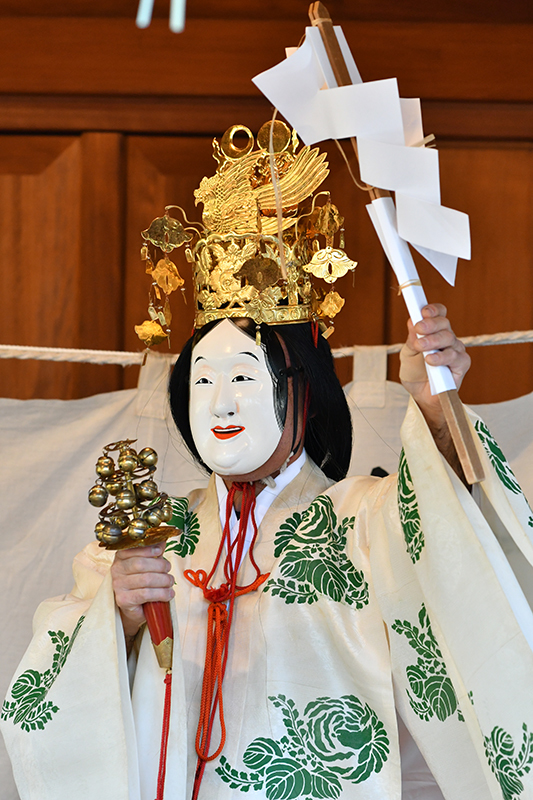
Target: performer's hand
[(437, 335), (140, 575)]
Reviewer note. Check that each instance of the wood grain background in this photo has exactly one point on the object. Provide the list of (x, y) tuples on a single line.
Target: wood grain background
[(101, 125)]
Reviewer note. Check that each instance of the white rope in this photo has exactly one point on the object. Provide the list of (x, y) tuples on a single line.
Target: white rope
[(123, 359), (483, 340), (126, 359)]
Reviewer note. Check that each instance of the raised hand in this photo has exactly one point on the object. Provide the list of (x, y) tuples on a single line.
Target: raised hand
[(434, 333)]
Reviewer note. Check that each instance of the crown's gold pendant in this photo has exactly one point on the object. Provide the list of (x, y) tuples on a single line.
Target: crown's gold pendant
[(329, 264), (331, 305)]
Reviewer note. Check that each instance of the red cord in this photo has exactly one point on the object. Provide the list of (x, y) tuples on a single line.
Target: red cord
[(164, 738), (219, 619), (314, 330)]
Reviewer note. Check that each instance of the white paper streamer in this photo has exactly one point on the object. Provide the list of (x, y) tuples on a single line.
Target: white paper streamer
[(368, 109), (412, 120), (391, 156), (390, 143), (433, 226), (411, 170), (444, 264)]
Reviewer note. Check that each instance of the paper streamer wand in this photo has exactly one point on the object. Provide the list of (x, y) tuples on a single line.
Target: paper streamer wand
[(383, 215)]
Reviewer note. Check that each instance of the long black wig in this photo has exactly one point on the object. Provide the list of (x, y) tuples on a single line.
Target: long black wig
[(328, 430)]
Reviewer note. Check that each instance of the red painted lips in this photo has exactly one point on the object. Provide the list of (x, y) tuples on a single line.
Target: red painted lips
[(227, 433)]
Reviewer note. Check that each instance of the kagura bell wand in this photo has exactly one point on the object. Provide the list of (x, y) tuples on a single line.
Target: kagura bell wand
[(133, 514)]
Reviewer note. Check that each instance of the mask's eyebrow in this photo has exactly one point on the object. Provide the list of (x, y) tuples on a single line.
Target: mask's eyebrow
[(243, 353)]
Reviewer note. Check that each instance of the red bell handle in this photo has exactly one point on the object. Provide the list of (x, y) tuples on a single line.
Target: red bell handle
[(159, 623)]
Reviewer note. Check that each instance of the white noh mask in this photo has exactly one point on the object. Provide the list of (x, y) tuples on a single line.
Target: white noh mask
[(231, 402)]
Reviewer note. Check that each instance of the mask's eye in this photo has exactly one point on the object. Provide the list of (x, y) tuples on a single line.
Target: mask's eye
[(238, 378), (202, 381)]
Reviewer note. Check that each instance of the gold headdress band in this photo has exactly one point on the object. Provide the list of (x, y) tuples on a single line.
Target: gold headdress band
[(240, 267)]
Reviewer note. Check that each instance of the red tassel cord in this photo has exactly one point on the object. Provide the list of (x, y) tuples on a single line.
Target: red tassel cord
[(164, 738), (159, 623), (219, 619)]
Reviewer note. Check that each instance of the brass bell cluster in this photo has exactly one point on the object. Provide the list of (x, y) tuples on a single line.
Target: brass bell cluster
[(137, 506)]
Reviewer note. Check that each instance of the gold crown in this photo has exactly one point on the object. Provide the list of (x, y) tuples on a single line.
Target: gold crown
[(258, 245)]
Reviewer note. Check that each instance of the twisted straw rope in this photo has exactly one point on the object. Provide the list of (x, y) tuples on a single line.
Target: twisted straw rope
[(126, 359)]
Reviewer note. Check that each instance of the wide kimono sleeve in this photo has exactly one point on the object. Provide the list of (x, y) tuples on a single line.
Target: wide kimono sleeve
[(68, 704), (459, 627)]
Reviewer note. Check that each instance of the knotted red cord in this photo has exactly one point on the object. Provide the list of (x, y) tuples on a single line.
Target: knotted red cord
[(219, 619)]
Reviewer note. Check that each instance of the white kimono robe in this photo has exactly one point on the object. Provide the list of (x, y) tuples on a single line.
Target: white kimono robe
[(383, 594)]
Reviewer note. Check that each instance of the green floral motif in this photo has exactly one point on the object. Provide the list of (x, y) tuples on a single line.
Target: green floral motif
[(335, 740), (497, 458), (314, 562), (187, 522), (29, 706), (508, 768), (409, 514), (432, 692), (286, 533)]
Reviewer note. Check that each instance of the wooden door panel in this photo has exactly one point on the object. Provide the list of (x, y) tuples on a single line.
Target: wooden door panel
[(60, 260), (39, 198)]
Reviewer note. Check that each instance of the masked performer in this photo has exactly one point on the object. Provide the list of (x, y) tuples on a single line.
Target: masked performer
[(309, 609)]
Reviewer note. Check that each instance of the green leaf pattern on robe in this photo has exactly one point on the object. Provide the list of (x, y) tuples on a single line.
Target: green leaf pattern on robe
[(501, 465), (409, 513), (314, 561), (29, 707), (497, 458), (432, 693), (508, 768), (187, 522), (335, 740)]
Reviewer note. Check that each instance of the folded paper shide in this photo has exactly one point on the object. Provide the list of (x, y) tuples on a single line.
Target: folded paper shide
[(264, 236)]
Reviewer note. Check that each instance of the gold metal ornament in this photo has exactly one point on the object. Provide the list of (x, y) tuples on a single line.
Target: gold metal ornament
[(150, 332), (228, 146), (260, 272), (134, 518), (281, 137), (328, 221), (166, 233), (331, 304), (330, 264), (166, 275), (163, 652), (240, 266)]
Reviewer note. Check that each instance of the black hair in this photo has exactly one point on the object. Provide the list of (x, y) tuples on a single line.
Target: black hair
[(328, 431)]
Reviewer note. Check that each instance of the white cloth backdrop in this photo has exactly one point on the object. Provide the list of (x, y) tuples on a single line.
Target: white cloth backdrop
[(49, 449)]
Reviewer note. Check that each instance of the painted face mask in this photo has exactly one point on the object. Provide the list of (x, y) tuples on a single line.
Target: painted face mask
[(231, 406)]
